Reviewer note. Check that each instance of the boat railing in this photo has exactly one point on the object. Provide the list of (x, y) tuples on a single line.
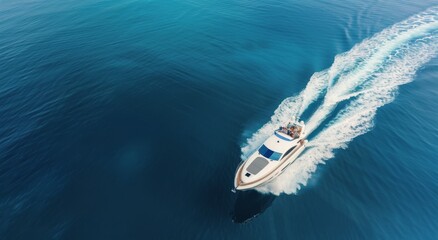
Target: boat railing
[(238, 166)]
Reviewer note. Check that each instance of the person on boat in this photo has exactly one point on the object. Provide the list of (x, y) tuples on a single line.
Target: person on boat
[(296, 135), (283, 129), (291, 131), (297, 132)]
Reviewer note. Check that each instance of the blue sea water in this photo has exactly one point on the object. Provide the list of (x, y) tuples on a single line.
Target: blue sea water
[(127, 119)]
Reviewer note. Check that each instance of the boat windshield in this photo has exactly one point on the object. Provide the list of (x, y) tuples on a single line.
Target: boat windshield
[(268, 153)]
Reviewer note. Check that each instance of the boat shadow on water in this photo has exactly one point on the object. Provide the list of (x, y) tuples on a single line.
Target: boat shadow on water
[(250, 204)]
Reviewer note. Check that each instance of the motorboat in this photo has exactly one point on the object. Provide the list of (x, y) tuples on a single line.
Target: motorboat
[(269, 160)]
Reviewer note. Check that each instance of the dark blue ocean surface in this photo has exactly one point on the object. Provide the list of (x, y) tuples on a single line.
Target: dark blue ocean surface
[(127, 119)]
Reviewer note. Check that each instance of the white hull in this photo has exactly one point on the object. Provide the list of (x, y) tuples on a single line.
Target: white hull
[(239, 184)]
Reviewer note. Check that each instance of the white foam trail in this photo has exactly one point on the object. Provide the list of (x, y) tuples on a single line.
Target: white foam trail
[(366, 78), (398, 35), (291, 106)]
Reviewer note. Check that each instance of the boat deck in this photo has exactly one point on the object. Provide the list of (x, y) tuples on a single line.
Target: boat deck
[(240, 183)]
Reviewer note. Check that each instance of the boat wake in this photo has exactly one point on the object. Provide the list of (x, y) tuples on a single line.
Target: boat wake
[(362, 79)]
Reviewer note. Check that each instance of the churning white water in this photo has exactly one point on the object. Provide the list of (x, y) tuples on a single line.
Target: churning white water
[(363, 79)]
